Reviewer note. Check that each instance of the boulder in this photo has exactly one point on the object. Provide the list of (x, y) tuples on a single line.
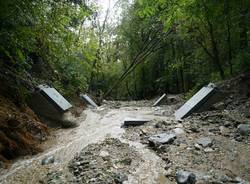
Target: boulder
[(244, 129)]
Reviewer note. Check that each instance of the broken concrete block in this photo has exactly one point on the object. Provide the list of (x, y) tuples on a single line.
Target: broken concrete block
[(135, 121), (50, 106), (163, 138), (159, 101), (54, 97), (194, 104), (88, 100)]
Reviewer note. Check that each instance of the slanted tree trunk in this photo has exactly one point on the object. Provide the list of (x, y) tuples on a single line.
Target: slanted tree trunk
[(243, 26), (215, 51), (228, 27)]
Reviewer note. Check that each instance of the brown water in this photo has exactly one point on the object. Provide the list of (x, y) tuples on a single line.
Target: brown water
[(97, 125)]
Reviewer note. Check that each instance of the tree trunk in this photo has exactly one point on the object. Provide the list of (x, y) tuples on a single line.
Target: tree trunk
[(215, 51)]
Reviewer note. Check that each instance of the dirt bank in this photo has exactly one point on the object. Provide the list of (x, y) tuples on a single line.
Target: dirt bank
[(21, 132)]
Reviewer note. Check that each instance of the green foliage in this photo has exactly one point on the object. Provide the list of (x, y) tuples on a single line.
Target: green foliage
[(49, 32), (208, 41)]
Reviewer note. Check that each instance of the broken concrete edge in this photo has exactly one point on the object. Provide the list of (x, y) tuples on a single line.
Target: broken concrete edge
[(88, 100), (159, 100), (199, 105), (134, 121), (41, 89)]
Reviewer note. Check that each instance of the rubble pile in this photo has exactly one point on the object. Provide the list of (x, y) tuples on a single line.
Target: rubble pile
[(108, 162)]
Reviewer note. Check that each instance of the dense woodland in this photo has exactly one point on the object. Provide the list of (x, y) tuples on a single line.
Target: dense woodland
[(155, 46)]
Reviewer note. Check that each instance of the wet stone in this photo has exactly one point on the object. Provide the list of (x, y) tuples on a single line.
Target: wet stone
[(185, 177), (205, 142), (244, 129), (48, 160), (163, 138)]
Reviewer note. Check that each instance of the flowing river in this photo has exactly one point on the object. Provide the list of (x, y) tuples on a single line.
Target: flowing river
[(94, 126)]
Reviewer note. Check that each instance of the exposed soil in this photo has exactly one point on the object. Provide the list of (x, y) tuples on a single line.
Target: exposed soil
[(21, 132)]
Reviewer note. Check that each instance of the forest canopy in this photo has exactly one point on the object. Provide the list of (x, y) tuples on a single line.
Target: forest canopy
[(172, 46)]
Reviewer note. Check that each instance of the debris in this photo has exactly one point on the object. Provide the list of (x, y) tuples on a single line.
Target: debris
[(48, 160), (104, 154), (54, 97), (159, 101), (120, 178), (50, 105), (196, 102), (178, 131), (244, 129), (185, 177), (205, 142), (198, 147), (88, 100), (208, 150), (134, 121), (163, 138), (89, 166)]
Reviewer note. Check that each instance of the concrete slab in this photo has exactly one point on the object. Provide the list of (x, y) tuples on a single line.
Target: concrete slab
[(163, 138), (88, 100), (54, 97), (135, 121), (196, 102), (51, 107), (159, 101)]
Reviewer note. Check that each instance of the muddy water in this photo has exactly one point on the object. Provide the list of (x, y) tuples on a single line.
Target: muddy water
[(97, 125)]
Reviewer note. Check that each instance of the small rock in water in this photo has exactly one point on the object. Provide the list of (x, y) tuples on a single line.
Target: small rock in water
[(185, 177), (162, 138), (48, 160), (244, 129), (205, 141)]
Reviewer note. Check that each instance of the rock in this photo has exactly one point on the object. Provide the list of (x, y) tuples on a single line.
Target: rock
[(120, 178), (104, 154), (208, 150), (162, 138), (185, 177), (205, 142), (178, 131), (48, 160), (244, 129), (224, 178), (55, 177), (198, 147)]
